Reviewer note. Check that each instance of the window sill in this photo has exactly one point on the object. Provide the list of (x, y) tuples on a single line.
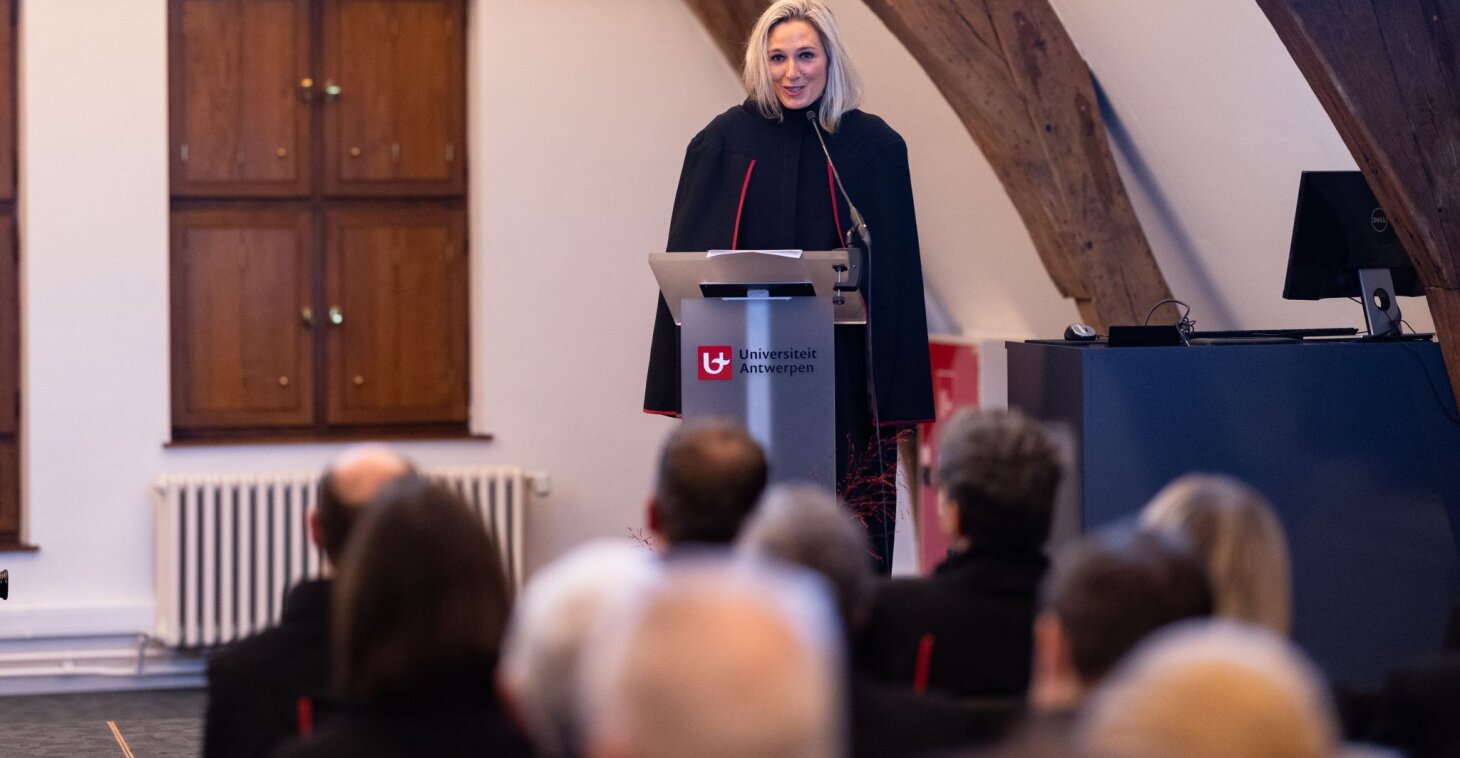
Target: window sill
[(18, 547), (213, 438)]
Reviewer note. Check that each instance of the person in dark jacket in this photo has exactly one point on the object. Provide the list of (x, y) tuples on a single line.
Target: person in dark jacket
[(419, 615), (264, 688), (966, 630), (756, 178), (804, 525)]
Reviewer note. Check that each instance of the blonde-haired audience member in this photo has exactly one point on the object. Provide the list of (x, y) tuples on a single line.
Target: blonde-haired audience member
[(1211, 689), (1233, 528), (549, 626), (718, 659)]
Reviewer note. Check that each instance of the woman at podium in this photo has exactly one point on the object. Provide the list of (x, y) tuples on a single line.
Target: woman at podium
[(757, 178)]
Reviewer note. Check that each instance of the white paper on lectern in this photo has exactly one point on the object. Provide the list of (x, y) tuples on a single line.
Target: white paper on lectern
[(782, 253)]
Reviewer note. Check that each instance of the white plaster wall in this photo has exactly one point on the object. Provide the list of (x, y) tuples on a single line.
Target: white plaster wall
[(978, 259), (580, 112), (576, 142), (1213, 122)]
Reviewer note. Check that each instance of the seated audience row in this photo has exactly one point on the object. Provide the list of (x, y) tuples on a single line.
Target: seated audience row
[(763, 630)]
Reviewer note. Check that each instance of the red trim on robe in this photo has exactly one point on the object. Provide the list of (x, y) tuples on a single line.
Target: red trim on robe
[(836, 213), (925, 662), (305, 715), (735, 238)]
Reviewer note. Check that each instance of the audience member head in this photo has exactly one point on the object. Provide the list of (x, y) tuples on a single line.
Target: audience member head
[(997, 475), (1105, 593), (549, 627), (421, 600), (1233, 529), (805, 525), (349, 483), (719, 659), (710, 474), (1211, 689)]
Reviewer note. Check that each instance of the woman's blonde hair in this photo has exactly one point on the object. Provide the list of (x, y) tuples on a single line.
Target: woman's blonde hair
[(1233, 528), (843, 85)]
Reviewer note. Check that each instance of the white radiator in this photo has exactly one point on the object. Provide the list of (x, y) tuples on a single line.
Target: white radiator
[(229, 546)]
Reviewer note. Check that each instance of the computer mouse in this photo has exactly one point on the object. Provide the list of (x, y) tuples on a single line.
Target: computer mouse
[(1080, 333)]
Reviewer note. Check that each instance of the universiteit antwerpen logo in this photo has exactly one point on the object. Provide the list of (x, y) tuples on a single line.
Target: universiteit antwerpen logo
[(715, 363)]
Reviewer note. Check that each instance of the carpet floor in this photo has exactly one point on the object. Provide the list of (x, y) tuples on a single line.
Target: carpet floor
[(152, 723)]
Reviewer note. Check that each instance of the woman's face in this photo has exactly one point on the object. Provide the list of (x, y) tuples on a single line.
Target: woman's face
[(797, 63)]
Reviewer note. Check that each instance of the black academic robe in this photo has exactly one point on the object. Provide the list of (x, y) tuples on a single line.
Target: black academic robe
[(750, 182)]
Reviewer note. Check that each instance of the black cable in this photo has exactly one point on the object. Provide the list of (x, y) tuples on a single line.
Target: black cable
[(1167, 301), (1184, 325), (887, 538), (1434, 390)]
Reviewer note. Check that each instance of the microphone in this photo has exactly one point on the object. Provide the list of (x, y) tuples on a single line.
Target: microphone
[(859, 226)]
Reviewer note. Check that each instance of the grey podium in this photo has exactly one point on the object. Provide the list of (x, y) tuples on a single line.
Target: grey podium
[(756, 345)]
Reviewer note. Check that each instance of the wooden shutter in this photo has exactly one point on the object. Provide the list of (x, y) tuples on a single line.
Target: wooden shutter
[(9, 330), (397, 124), (240, 112), (242, 339), (7, 100), (9, 492), (398, 277)]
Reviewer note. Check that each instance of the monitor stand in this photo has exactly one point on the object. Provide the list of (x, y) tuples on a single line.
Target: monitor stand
[(1381, 308)]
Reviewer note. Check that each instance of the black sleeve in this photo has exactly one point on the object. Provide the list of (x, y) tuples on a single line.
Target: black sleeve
[(899, 321), (691, 228)]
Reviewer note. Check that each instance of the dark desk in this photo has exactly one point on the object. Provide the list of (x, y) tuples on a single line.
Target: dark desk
[(1356, 445)]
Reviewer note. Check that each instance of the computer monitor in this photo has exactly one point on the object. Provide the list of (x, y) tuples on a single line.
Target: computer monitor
[(1344, 246)]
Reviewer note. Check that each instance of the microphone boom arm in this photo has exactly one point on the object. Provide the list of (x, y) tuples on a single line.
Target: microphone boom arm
[(859, 225)]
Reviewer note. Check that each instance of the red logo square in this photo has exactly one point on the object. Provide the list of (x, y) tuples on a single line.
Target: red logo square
[(715, 363)]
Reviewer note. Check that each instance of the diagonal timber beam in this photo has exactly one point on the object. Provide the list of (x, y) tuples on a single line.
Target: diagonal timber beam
[(1020, 87), (1022, 90), (729, 23), (1388, 74)]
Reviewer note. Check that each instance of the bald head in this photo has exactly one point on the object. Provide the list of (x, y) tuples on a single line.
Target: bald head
[(770, 686), (350, 482)]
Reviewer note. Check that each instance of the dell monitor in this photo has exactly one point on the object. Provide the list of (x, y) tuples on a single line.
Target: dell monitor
[(1344, 246)]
